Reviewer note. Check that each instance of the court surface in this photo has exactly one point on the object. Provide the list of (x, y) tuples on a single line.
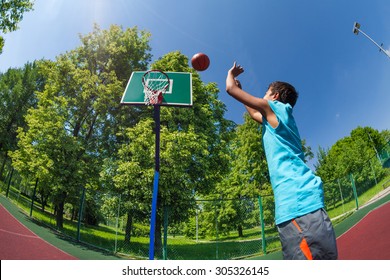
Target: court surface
[(17, 242), (369, 239)]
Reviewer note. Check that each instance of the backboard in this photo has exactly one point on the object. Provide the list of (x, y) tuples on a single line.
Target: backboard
[(179, 92)]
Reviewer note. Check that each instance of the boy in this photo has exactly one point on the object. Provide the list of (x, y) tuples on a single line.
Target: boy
[(304, 227)]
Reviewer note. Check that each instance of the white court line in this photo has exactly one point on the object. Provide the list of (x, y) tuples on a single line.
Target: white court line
[(19, 234)]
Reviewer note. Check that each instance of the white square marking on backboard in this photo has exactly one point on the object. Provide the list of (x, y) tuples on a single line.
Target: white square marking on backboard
[(168, 91)]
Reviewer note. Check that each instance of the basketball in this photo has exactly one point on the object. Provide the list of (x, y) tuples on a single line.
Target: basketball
[(200, 62)]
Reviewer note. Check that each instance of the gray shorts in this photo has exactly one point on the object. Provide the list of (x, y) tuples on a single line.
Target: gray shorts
[(308, 237)]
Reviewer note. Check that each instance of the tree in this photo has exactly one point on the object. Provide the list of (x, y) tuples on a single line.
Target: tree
[(11, 13), (72, 129), (134, 173), (17, 95)]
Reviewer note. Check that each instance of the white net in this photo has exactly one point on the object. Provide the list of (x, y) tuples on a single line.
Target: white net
[(155, 84)]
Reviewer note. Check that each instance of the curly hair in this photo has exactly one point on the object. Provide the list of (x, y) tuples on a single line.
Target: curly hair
[(287, 93)]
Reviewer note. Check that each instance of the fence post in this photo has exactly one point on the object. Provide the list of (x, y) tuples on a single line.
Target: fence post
[(117, 224), (196, 225), (341, 194), (354, 191), (165, 244), (216, 230), (373, 171), (263, 243), (80, 214)]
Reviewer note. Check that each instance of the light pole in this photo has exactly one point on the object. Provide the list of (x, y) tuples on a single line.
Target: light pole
[(356, 30)]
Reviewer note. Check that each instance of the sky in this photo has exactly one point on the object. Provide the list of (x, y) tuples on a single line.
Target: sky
[(342, 79)]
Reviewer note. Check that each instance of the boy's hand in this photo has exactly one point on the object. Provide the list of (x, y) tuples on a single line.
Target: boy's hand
[(236, 70)]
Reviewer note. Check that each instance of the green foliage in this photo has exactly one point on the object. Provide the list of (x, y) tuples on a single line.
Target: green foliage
[(1, 44), (350, 154), (17, 95), (11, 13), (134, 169)]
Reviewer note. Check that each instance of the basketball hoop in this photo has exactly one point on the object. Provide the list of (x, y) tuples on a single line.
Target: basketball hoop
[(155, 84)]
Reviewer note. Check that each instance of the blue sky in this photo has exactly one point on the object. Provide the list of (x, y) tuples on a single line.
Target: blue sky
[(343, 80)]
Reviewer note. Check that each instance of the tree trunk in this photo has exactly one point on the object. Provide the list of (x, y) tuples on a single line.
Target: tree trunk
[(240, 231), (129, 227), (3, 165), (60, 217), (60, 211)]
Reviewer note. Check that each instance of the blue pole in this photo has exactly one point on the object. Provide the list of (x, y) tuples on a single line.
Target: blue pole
[(155, 183), (153, 216)]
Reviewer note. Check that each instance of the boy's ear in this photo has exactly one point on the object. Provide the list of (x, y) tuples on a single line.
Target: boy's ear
[(276, 96)]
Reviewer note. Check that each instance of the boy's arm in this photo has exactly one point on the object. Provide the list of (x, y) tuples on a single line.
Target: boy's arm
[(256, 115), (257, 107)]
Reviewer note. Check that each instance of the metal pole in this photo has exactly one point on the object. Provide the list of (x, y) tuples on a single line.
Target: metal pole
[(82, 199), (354, 191), (356, 30), (165, 247), (373, 145), (216, 232), (341, 194), (263, 244), (155, 183), (117, 224), (197, 225)]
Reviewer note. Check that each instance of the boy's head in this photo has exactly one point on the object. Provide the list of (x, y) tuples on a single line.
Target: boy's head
[(283, 92)]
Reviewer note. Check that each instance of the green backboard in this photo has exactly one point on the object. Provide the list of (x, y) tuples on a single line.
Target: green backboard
[(179, 92)]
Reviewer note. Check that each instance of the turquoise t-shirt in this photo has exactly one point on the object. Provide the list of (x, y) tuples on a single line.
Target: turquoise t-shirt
[(297, 190)]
